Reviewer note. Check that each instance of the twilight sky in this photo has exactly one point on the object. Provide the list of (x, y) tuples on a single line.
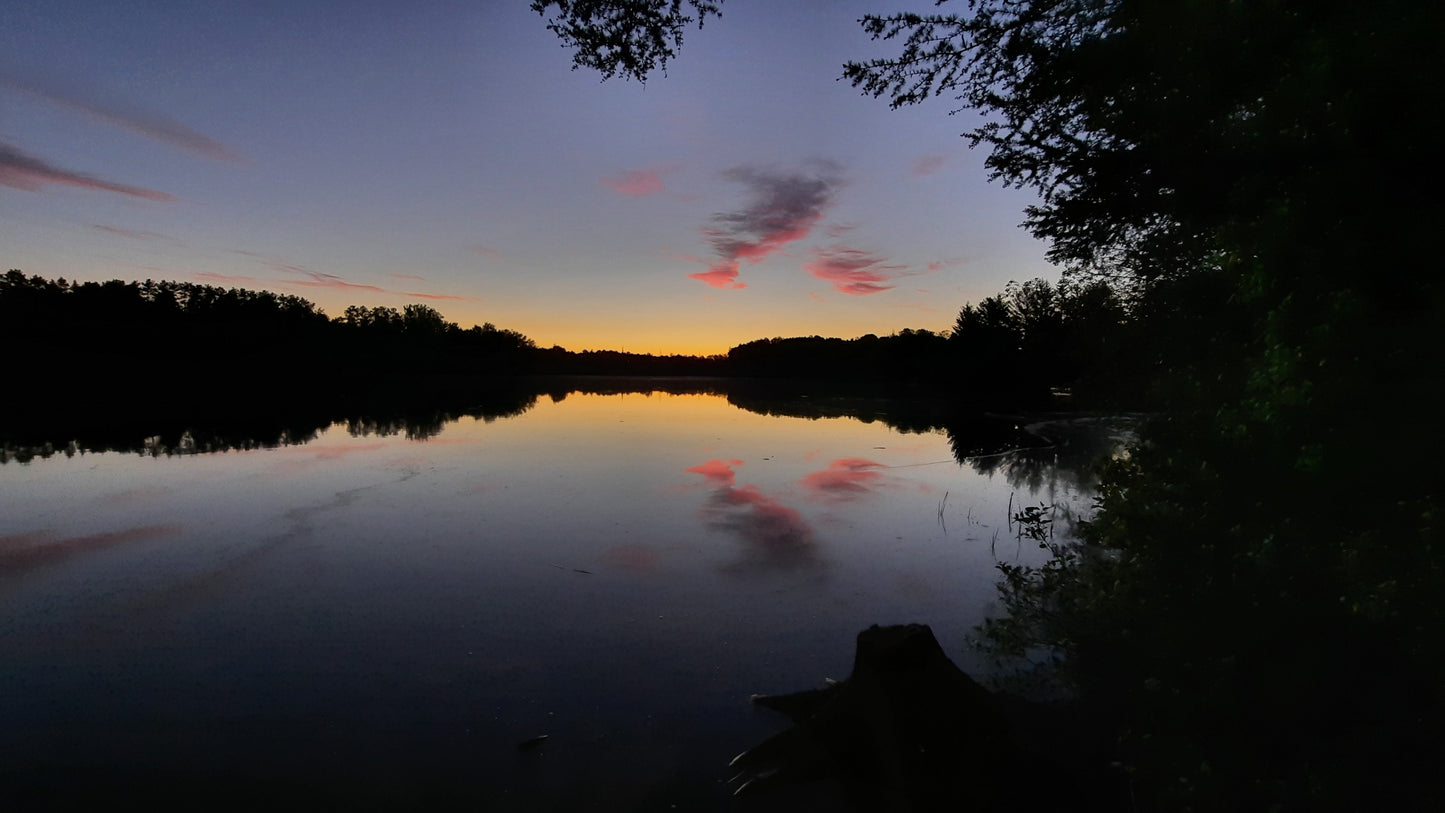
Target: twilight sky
[(382, 153)]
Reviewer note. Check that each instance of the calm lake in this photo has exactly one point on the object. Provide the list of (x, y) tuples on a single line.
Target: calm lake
[(379, 613)]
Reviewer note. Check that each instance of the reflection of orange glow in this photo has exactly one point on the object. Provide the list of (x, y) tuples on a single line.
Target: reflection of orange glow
[(846, 479), (24, 551)]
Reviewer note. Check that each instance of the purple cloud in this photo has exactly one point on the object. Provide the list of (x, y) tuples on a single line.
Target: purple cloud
[(929, 164), (635, 183), (23, 171), (782, 207), (134, 234), (150, 125), (851, 271)]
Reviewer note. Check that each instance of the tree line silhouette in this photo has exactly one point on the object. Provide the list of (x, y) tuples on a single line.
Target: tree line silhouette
[(203, 346)]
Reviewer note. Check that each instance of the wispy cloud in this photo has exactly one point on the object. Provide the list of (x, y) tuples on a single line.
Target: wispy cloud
[(852, 271), (939, 265), (489, 253), (635, 183), (638, 183), (446, 297), (116, 114), (929, 164), (23, 171), (134, 234), (319, 279), (226, 279), (782, 207)]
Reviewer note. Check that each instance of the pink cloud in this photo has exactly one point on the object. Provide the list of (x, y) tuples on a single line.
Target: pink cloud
[(721, 275), (407, 276), (846, 479), (783, 207), (489, 253), (445, 297), (851, 271), (929, 164), (939, 265), (23, 171), (635, 183)]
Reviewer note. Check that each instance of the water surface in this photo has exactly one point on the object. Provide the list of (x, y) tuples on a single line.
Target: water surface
[(381, 618)]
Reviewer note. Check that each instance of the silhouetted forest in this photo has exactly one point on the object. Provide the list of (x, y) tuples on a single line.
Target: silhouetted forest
[(189, 342)]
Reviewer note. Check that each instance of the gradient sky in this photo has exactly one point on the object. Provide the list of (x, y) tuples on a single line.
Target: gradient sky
[(383, 153)]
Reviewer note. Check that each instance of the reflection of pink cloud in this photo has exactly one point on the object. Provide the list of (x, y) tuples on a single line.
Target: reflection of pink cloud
[(334, 452), (26, 551), (851, 271), (131, 496), (629, 556), (844, 480), (717, 472), (721, 275), (22, 171), (766, 520), (635, 183), (777, 536), (929, 164)]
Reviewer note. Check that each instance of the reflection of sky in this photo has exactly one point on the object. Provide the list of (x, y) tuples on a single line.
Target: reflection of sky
[(526, 566)]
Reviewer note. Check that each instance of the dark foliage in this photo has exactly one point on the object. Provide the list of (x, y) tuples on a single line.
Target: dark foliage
[(630, 38), (1256, 599)]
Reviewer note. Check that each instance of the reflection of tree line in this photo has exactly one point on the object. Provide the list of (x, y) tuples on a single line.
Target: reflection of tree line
[(416, 420), (1028, 455)]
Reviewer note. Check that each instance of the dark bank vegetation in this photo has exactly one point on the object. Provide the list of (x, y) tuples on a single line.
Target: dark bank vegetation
[(1254, 612), (1255, 605), (90, 359)]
